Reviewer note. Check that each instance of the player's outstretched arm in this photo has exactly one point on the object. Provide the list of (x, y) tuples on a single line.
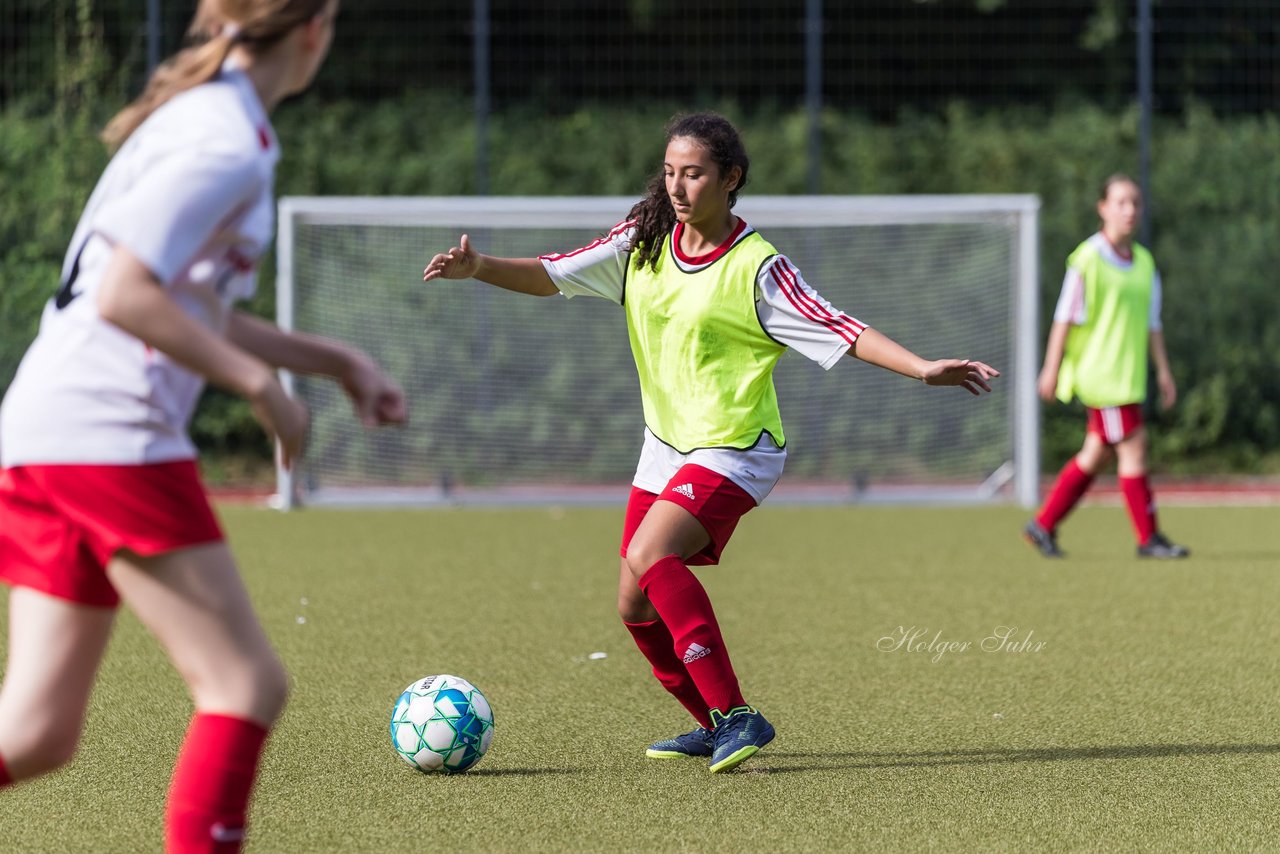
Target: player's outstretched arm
[(376, 397), (523, 275), (882, 351), (133, 299)]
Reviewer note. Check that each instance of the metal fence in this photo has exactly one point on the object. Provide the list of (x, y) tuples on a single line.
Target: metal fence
[(879, 57), (874, 55)]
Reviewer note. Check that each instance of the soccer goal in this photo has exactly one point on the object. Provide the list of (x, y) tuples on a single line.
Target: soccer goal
[(517, 399)]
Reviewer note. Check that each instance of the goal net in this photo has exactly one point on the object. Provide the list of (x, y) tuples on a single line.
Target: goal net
[(516, 399)]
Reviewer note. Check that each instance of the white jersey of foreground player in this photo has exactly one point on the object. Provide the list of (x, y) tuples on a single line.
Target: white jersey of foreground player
[(790, 312), (189, 194)]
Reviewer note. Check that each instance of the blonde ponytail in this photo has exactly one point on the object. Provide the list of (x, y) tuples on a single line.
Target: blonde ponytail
[(184, 70), (255, 25)]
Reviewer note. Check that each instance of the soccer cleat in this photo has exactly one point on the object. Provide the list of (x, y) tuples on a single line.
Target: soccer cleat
[(1160, 547), (1046, 542), (738, 736), (696, 743)]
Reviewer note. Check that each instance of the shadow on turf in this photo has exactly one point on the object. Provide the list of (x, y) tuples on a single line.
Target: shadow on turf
[(942, 758), (515, 772)]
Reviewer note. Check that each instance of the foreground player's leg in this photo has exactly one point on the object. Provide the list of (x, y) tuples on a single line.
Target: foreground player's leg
[(54, 649), (654, 640), (668, 532), (682, 602), (195, 603)]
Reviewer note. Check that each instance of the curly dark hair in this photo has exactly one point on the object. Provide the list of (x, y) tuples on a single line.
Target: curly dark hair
[(654, 216)]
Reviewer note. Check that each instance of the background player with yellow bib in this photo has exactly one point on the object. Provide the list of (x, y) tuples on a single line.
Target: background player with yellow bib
[(1106, 321)]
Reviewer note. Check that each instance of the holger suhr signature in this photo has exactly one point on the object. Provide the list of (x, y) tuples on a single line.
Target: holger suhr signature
[(919, 639)]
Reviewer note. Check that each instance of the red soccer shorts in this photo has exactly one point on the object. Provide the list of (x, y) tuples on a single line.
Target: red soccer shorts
[(61, 524), (714, 500), (1114, 424)]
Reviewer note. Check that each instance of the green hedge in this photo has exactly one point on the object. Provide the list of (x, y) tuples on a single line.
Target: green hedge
[(1216, 200)]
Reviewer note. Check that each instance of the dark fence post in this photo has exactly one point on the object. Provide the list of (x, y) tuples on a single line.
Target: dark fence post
[(480, 55), (813, 89), (153, 36), (1145, 98)]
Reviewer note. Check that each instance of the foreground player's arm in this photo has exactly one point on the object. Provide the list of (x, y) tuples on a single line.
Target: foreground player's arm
[(132, 298), (377, 398), (523, 275), (882, 351), (796, 315)]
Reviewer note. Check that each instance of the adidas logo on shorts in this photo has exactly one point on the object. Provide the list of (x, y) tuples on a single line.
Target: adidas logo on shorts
[(685, 489), (694, 652)]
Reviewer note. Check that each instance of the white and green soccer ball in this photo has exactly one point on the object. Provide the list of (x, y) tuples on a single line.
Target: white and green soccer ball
[(442, 723)]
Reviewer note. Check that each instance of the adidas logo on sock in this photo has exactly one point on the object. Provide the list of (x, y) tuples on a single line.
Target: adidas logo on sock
[(685, 489), (694, 652), (219, 832)]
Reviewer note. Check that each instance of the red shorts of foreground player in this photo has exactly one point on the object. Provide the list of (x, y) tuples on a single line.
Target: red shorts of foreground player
[(714, 500), (61, 524), (1114, 424)]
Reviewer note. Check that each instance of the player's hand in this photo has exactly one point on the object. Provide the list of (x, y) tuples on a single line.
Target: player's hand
[(285, 420), (966, 373), (1047, 386), (460, 262), (377, 398)]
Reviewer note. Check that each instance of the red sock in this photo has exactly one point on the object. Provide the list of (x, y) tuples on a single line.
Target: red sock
[(1072, 483), (1142, 505), (655, 641), (212, 780), (5, 779), (683, 605)]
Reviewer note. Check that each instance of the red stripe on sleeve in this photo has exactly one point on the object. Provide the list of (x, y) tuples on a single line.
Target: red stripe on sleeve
[(789, 281), (614, 232)]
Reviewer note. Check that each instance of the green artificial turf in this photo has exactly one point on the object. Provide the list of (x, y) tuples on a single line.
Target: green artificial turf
[(1136, 710)]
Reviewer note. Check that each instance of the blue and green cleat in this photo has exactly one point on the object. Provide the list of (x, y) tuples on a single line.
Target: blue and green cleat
[(697, 743), (738, 736)]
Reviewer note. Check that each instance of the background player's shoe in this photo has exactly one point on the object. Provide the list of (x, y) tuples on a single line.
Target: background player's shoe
[(738, 735), (1046, 542), (1160, 547), (700, 742)]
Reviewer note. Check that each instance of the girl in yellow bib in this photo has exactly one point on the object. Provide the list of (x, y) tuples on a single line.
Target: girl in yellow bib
[(710, 307), (1106, 321)]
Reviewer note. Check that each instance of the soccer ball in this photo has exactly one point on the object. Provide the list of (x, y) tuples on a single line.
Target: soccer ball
[(441, 723)]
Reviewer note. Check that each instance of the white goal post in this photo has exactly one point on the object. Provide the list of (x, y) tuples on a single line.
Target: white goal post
[(519, 400)]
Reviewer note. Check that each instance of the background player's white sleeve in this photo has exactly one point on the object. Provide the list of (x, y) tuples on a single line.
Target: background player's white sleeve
[(173, 208), (1157, 297), (598, 269), (795, 315), (1071, 308)]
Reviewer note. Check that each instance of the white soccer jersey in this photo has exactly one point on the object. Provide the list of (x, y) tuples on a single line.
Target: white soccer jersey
[(790, 311), (189, 194), (1071, 306)]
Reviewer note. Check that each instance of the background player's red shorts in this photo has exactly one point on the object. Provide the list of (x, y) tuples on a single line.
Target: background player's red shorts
[(714, 500), (59, 525), (1115, 423)]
